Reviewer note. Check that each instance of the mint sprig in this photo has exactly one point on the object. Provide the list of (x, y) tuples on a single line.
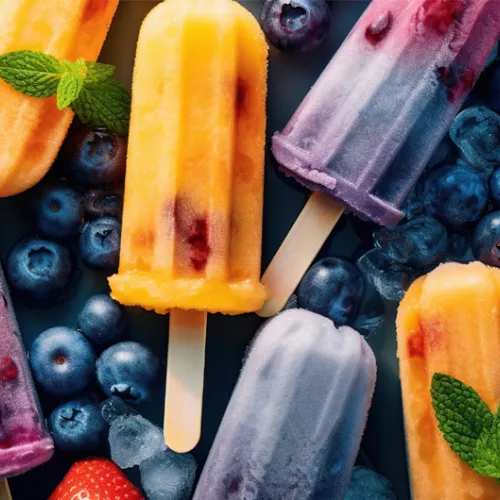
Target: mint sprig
[(35, 74), (467, 423), (87, 87)]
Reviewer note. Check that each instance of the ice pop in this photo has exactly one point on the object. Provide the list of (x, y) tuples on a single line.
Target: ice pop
[(192, 225), (294, 423), (366, 130), (33, 129), (24, 440), (448, 323)]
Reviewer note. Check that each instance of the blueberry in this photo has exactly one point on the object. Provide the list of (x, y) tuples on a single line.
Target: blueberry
[(332, 287), (40, 271), (102, 203), (418, 243), (78, 425), (296, 25), (455, 195), (459, 246), (62, 361), (128, 370), (100, 243), (58, 210), (494, 88), (101, 319), (94, 157), (486, 240), (476, 132), (495, 186)]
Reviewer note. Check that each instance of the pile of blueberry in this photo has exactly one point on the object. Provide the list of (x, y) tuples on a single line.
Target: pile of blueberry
[(453, 213), (76, 210), (67, 368)]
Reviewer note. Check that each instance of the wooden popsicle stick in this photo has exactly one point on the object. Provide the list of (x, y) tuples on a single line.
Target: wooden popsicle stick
[(185, 375), (5, 493), (304, 241)]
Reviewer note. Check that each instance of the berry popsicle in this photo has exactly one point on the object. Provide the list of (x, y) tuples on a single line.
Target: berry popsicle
[(34, 129), (192, 224), (294, 423), (24, 440), (448, 323), (368, 127)]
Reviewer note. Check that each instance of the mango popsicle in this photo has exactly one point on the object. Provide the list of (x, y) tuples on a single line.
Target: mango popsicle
[(192, 225), (34, 129), (448, 323)]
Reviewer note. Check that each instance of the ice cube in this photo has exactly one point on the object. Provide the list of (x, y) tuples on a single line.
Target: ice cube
[(168, 476), (115, 407), (389, 278), (366, 484), (134, 439), (418, 243)]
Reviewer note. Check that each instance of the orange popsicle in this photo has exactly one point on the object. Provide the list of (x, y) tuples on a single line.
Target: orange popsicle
[(33, 130), (192, 224), (448, 322)]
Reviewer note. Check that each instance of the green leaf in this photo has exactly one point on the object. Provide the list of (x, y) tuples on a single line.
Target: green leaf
[(461, 414), (106, 104), (467, 424), (486, 456), (77, 69), (98, 72), (68, 90), (33, 73)]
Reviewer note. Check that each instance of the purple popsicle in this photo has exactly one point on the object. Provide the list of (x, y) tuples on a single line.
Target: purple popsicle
[(372, 121), (24, 440)]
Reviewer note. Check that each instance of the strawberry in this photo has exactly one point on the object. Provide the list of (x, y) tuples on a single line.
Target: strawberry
[(96, 479)]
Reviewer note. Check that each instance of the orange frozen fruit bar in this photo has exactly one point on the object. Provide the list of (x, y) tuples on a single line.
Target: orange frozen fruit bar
[(33, 129), (192, 224), (449, 323)]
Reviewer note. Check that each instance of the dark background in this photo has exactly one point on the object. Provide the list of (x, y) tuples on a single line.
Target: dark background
[(290, 78)]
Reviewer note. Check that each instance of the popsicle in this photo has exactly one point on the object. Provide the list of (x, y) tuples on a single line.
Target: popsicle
[(294, 423), (192, 224), (372, 121), (24, 440), (33, 130), (448, 323)]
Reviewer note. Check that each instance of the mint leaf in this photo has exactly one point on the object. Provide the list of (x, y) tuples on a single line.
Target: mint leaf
[(98, 72), (85, 86), (68, 90), (462, 415), (78, 69), (106, 104), (33, 73), (486, 457)]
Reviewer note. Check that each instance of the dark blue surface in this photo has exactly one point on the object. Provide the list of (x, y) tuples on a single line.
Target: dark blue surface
[(290, 78)]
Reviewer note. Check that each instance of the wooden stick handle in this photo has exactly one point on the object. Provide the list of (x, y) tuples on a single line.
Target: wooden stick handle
[(304, 241), (5, 493), (185, 375)]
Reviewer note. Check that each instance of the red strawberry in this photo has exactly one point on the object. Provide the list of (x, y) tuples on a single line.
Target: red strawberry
[(96, 479)]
